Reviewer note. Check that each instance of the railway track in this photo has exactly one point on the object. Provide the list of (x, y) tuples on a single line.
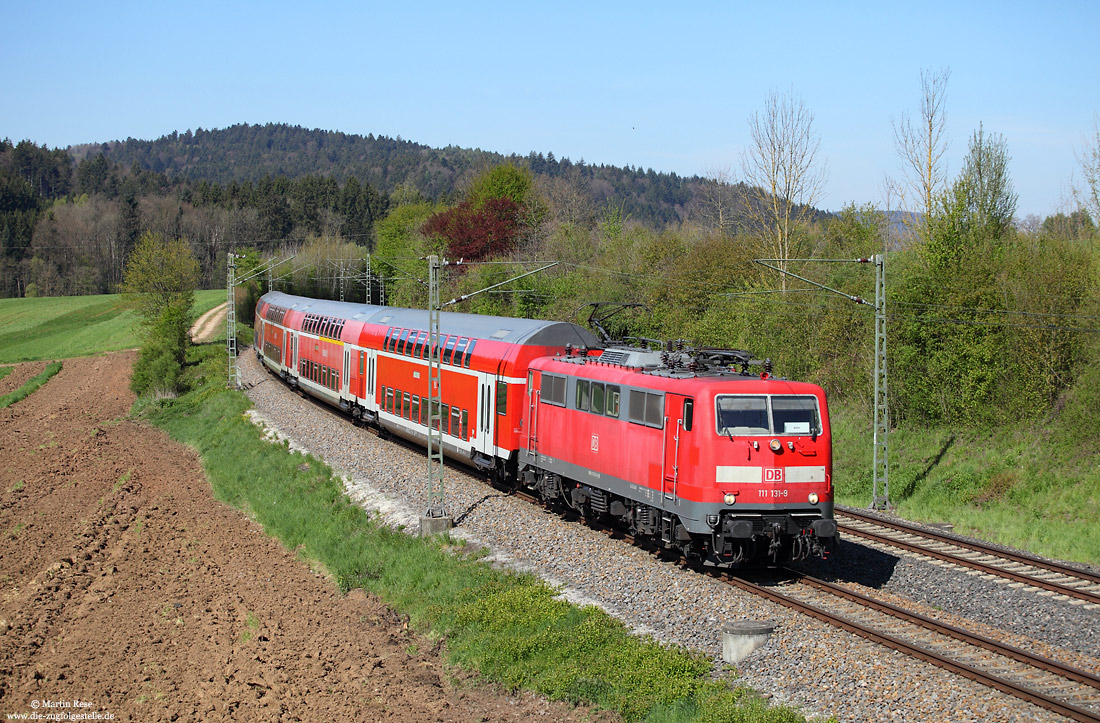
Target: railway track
[(1050, 684), (1080, 586), (1062, 689)]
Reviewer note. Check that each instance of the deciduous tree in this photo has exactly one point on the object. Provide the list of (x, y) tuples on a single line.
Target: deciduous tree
[(781, 170), (921, 147), (161, 277)]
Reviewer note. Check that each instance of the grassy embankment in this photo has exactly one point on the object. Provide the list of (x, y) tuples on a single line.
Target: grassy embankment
[(73, 326), (1032, 486), (512, 628)]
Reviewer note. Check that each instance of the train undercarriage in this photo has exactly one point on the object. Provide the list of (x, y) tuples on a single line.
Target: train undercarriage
[(734, 540)]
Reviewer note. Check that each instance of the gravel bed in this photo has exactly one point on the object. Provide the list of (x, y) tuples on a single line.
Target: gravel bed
[(819, 669)]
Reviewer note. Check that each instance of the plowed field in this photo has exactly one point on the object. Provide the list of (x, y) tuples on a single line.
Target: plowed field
[(127, 591)]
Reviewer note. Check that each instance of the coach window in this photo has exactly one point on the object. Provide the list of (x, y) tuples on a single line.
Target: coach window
[(456, 421), (418, 346), (582, 394), (449, 349), (689, 414), (362, 361), (460, 351), (406, 406), (324, 376), (401, 341), (502, 398), (388, 406), (465, 424), (414, 414), (597, 398), (612, 401), (445, 419), (469, 353), (424, 411)]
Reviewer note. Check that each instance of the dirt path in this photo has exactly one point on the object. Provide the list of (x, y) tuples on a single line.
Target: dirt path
[(208, 325), (125, 587)]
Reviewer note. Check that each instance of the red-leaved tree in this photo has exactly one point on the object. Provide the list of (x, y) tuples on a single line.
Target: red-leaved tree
[(477, 232)]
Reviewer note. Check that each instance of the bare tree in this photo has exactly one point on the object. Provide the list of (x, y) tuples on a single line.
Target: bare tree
[(717, 199), (781, 172), (921, 147)]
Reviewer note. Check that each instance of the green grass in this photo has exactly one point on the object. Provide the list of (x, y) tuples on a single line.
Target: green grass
[(1024, 486), (512, 628), (30, 386), (4, 371), (72, 326)]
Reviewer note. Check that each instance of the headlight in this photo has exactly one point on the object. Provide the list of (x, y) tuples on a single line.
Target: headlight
[(813, 498), (776, 445), (730, 498)]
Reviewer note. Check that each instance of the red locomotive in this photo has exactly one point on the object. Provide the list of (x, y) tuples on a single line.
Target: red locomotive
[(687, 448)]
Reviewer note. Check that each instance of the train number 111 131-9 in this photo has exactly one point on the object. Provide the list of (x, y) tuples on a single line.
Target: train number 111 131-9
[(771, 493)]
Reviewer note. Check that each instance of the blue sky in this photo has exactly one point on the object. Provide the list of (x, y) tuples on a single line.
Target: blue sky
[(645, 84)]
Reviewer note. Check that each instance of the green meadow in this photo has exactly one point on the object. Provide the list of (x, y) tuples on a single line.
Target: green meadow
[(73, 326)]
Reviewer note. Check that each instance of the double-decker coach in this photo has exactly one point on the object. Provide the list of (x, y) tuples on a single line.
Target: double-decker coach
[(372, 362)]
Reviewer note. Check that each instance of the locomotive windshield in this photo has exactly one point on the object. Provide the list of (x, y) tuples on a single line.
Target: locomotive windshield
[(746, 415)]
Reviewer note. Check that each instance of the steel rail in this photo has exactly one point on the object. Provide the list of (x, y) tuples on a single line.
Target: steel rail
[(987, 568), (1021, 558), (972, 673), (965, 636)]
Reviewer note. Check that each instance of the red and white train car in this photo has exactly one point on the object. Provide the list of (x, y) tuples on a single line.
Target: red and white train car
[(372, 362), (686, 448)]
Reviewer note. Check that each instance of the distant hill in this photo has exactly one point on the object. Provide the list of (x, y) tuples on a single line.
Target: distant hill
[(249, 152)]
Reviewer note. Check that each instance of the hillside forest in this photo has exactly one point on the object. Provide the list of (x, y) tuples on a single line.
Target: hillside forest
[(992, 322)]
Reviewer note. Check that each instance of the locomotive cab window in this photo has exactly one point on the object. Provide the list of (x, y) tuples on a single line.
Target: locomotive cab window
[(756, 415), (796, 415), (743, 415)]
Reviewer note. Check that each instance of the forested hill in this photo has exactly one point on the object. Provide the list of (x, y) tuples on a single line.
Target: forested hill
[(250, 152)]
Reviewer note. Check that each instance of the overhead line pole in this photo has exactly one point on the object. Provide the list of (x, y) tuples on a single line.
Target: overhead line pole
[(436, 519), (881, 455)]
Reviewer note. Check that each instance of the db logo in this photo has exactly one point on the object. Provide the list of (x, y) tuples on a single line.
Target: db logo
[(595, 443), (773, 475)]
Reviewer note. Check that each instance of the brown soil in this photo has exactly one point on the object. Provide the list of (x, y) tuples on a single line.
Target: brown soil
[(20, 375), (125, 587)]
